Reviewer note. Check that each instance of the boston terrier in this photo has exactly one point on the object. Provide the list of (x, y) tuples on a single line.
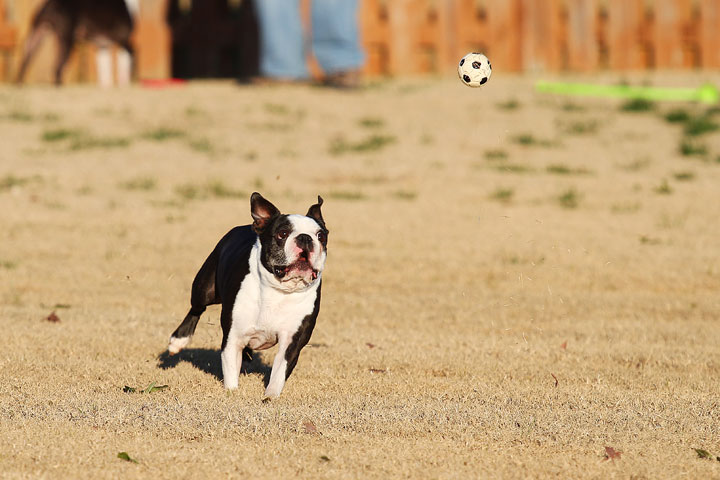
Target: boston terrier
[(267, 276), (103, 22)]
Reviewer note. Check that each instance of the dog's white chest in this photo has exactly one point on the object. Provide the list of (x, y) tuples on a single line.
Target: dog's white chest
[(261, 312)]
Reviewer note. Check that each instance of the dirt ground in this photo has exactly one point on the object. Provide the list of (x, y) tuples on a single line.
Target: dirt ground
[(515, 282)]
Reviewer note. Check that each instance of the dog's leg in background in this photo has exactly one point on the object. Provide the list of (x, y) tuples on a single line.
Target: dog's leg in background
[(65, 43), (103, 59), (124, 67), (279, 368), (32, 43)]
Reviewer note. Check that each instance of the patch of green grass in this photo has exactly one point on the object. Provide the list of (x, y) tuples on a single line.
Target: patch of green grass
[(213, 188), (528, 140), (636, 165), (404, 195), (700, 125), (161, 134), (509, 105), (351, 195), (372, 143), (59, 134), (502, 194), (684, 176), (218, 189), (85, 142), (193, 111), (629, 207), (371, 122), (648, 240), (9, 181), (20, 116), (714, 110), (496, 154), (7, 264), (202, 145), (664, 188), (678, 115), (569, 199), (572, 107), (637, 105), (559, 169), (188, 191), (581, 127), (689, 147), (276, 108), (139, 184), (513, 168)]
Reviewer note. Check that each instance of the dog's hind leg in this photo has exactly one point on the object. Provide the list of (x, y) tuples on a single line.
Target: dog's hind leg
[(32, 43), (65, 44), (103, 60), (203, 294)]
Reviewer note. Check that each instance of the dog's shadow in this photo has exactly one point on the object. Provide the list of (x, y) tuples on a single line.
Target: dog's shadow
[(208, 361)]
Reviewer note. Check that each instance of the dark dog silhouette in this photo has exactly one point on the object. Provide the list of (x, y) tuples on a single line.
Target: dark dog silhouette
[(102, 22)]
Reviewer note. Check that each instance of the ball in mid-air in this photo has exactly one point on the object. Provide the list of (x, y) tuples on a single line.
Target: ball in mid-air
[(474, 69)]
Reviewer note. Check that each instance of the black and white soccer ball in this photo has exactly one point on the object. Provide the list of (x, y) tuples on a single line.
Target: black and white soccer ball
[(474, 69)]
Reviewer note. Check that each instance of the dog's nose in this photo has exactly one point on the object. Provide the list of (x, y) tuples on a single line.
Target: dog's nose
[(304, 241)]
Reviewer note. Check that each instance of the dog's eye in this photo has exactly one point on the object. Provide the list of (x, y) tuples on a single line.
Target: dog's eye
[(322, 236), (282, 234)]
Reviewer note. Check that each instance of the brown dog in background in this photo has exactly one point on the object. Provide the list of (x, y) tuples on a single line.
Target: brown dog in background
[(102, 22)]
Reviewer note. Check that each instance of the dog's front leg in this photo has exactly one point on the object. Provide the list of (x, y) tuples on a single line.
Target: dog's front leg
[(277, 376)]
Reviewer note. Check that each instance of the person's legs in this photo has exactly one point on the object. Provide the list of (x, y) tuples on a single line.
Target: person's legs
[(335, 35), (282, 53)]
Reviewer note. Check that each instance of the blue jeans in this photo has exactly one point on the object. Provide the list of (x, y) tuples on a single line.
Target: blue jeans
[(335, 38)]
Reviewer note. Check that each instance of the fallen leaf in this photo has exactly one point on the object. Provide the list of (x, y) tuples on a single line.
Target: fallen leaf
[(310, 427), (377, 370), (154, 388), (370, 345), (53, 317), (702, 453), (556, 380), (126, 457), (564, 345), (612, 454)]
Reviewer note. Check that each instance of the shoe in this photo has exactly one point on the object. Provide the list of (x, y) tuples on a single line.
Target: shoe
[(343, 79)]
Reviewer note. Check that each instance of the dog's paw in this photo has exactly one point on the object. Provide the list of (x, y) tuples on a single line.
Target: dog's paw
[(177, 344)]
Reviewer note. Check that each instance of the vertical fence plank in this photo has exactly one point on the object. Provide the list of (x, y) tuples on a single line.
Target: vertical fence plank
[(152, 40), (670, 19), (374, 19), (625, 19), (710, 33), (583, 48), (505, 20), (8, 41)]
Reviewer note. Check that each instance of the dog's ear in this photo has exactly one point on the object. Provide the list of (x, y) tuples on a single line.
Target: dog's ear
[(262, 212), (315, 213)]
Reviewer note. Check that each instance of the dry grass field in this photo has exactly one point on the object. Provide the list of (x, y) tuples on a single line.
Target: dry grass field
[(515, 282)]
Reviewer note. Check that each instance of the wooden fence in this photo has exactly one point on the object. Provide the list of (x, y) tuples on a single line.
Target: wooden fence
[(429, 36), (416, 36)]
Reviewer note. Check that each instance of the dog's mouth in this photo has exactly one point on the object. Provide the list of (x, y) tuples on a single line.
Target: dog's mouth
[(301, 268)]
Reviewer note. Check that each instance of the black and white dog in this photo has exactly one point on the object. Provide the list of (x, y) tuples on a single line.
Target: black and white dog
[(103, 22), (267, 276)]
